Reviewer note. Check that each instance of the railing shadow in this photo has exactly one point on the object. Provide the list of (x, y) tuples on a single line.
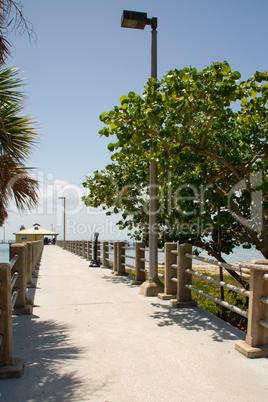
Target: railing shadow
[(196, 319), (47, 352), (116, 279)]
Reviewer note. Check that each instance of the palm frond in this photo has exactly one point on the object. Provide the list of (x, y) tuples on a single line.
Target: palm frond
[(16, 183), (17, 132)]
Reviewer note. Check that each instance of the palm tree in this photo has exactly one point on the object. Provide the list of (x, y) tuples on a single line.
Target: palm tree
[(15, 182), (12, 19), (17, 139)]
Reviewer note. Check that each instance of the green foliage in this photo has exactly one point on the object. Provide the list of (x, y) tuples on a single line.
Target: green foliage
[(212, 160), (230, 297), (17, 139)]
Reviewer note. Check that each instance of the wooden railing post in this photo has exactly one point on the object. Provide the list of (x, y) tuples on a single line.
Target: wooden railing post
[(115, 267), (105, 255), (83, 249), (34, 259), (184, 295), (170, 288), (9, 367), (110, 260), (121, 258), (86, 250), (29, 264), (139, 263), (256, 343), (21, 306), (39, 248), (99, 251), (89, 250)]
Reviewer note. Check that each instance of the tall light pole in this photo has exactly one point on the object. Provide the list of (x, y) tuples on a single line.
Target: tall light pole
[(138, 20), (64, 218)]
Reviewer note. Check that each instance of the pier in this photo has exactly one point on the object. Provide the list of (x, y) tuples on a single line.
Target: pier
[(92, 337)]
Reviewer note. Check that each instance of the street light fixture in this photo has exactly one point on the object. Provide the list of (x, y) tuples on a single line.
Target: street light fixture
[(64, 219), (138, 20)]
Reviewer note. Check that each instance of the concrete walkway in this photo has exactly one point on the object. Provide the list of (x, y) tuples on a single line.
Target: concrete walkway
[(92, 337)]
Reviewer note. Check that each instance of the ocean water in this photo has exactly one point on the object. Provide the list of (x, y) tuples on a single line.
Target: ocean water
[(4, 253), (239, 255)]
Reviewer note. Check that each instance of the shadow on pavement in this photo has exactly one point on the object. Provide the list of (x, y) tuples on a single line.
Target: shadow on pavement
[(126, 279), (192, 319), (47, 351), (196, 319)]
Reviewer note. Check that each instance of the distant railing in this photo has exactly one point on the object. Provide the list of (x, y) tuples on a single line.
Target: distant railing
[(14, 281), (7, 241)]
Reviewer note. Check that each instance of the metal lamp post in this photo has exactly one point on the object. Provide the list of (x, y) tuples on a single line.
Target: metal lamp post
[(64, 218), (138, 20)]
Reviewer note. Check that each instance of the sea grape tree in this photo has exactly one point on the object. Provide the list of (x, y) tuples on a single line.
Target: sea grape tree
[(208, 130)]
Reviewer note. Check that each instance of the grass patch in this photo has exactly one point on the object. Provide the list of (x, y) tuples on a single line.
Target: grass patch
[(229, 296)]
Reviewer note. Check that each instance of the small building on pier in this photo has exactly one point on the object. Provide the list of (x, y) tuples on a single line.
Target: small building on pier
[(36, 232)]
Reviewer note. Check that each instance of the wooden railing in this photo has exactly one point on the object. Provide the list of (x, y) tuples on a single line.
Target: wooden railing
[(179, 288), (15, 278)]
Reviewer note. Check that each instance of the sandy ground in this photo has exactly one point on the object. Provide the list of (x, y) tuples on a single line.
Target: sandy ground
[(212, 269)]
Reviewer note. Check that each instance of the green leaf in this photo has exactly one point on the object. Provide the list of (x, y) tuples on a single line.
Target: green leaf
[(244, 102), (253, 93), (102, 116), (123, 99), (227, 69), (235, 75), (110, 147), (131, 95)]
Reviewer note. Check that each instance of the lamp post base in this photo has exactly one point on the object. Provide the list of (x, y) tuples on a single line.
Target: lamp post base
[(151, 287), (94, 263)]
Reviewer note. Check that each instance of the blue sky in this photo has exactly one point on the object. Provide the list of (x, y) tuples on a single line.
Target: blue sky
[(83, 61)]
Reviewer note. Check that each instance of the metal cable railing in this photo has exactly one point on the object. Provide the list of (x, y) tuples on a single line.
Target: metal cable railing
[(238, 268), (15, 292), (215, 281), (128, 256), (242, 268)]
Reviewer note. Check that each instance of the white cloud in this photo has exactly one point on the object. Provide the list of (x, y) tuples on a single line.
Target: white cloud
[(81, 221)]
